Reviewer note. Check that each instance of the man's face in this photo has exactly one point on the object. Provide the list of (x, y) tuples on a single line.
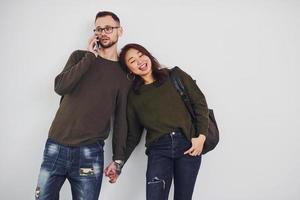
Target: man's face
[(108, 31)]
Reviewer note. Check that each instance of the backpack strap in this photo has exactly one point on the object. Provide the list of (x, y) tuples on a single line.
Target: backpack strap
[(182, 91)]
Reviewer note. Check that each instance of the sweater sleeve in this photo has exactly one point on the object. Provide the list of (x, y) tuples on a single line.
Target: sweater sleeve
[(120, 124), (135, 130), (198, 102), (76, 66)]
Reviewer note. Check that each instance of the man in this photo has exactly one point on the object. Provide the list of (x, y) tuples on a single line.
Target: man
[(93, 88)]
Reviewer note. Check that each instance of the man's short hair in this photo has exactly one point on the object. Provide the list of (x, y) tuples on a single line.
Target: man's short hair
[(107, 13)]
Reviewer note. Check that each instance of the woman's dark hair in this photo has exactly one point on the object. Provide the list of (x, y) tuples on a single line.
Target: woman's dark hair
[(159, 74)]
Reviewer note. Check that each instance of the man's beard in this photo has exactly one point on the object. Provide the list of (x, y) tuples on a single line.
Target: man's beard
[(110, 44)]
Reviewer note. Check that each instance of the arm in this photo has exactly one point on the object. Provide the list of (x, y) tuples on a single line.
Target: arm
[(77, 65), (135, 130), (120, 125), (198, 102), (201, 111), (130, 140), (126, 143)]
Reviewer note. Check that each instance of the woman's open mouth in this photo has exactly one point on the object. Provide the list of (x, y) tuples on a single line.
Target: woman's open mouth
[(143, 67)]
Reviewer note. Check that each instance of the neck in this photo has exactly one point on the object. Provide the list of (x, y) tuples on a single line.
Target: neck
[(109, 53), (148, 78)]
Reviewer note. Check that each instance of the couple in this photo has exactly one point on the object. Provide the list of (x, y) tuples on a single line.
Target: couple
[(94, 87)]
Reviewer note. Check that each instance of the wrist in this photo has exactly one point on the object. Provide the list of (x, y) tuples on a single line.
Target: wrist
[(119, 165), (202, 137), (120, 162)]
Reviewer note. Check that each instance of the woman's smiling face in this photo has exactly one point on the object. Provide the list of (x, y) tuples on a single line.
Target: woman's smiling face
[(138, 63)]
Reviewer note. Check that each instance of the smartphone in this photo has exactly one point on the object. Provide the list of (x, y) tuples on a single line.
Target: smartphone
[(97, 44)]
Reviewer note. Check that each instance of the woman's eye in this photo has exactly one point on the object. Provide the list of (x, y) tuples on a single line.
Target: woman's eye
[(132, 61)]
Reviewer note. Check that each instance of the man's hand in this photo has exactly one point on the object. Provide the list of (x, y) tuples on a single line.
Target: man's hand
[(91, 45), (111, 172), (197, 146)]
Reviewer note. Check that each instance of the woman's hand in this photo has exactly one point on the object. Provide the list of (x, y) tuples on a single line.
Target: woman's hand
[(197, 146)]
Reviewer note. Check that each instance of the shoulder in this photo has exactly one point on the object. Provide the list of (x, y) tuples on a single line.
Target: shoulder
[(185, 77), (182, 74), (179, 70), (165, 70), (78, 54)]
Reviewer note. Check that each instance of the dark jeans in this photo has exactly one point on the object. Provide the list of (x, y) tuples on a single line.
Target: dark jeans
[(165, 161), (82, 166)]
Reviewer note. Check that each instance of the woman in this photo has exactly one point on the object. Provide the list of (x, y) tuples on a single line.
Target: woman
[(173, 146)]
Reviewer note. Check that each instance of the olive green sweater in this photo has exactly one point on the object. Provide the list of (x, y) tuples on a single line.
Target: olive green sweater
[(160, 110), (94, 90)]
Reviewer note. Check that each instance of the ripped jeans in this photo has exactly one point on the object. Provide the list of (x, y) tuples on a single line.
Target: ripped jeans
[(82, 166), (167, 161)]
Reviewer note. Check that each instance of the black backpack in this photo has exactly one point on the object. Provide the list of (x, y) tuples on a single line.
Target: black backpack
[(212, 138)]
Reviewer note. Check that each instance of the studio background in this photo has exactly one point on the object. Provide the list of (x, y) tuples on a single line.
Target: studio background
[(243, 54)]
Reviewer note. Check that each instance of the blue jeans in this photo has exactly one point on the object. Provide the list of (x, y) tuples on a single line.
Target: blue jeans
[(82, 166), (167, 161)]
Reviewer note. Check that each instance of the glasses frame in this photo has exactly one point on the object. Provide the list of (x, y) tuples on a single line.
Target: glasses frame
[(105, 29)]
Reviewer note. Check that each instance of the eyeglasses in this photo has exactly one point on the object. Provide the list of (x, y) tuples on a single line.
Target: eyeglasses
[(107, 29)]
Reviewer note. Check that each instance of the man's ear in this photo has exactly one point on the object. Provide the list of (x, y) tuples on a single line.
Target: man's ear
[(120, 31)]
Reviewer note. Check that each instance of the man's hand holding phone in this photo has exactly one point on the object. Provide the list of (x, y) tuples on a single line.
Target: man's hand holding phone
[(93, 45)]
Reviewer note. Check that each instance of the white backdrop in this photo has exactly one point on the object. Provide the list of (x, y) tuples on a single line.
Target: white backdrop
[(244, 55)]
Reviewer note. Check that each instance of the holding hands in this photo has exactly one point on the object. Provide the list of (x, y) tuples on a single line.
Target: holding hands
[(113, 170)]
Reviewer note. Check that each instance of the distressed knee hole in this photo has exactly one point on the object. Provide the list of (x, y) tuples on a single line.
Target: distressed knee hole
[(37, 193), (156, 180), (42, 180)]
